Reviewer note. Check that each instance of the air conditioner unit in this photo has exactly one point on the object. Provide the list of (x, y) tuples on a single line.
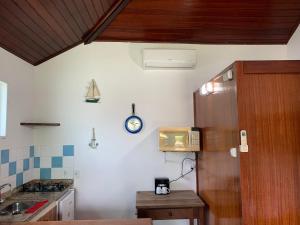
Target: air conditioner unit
[(169, 59)]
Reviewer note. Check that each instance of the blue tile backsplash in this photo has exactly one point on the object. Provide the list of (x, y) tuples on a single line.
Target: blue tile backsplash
[(68, 150), (25, 164), (19, 179), (12, 168), (4, 156), (31, 151), (45, 173), (36, 162), (57, 162)]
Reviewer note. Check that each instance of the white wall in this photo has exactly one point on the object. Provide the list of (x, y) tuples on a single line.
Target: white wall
[(293, 47), (110, 176), (19, 77)]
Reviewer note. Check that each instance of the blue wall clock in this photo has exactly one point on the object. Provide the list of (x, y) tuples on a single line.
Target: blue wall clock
[(133, 123)]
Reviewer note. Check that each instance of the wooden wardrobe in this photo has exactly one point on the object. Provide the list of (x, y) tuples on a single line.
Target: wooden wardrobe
[(261, 186)]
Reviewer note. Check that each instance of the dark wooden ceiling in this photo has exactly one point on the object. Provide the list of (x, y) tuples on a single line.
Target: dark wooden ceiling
[(36, 30), (206, 21)]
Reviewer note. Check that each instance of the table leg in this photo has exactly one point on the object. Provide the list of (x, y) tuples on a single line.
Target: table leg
[(192, 221), (201, 219)]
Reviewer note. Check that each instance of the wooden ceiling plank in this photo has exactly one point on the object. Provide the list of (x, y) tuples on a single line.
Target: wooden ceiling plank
[(20, 19), (211, 12), (53, 24), (41, 23), (98, 7), (7, 38), (16, 28), (39, 52), (56, 54), (106, 4), (65, 12), (104, 22), (91, 10), (75, 14), (194, 34), (192, 22), (191, 37), (60, 19), (187, 21), (15, 52), (84, 13)]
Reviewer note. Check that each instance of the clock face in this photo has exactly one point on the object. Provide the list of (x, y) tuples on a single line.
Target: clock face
[(133, 124)]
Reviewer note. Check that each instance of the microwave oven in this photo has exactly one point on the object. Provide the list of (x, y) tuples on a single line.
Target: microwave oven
[(179, 139)]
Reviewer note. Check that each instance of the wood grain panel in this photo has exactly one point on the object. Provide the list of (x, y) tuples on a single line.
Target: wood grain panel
[(168, 214), (269, 109), (262, 183), (33, 15), (222, 22), (37, 30), (217, 171), (91, 10), (15, 43), (69, 17), (17, 33), (57, 17), (273, 67), (84, 13)]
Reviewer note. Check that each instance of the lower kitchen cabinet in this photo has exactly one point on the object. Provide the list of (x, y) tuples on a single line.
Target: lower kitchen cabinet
[(51, 215)]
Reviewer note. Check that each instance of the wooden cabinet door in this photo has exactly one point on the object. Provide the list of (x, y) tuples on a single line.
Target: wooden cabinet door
[(50, 216), (269, 109), (217, 171)]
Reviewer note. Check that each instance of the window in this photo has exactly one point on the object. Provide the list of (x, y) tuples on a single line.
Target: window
[(3, 108)]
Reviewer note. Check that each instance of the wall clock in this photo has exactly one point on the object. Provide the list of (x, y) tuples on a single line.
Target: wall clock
[(133, 123)]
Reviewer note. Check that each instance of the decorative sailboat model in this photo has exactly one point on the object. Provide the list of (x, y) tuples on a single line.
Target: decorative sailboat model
[(93, 94)]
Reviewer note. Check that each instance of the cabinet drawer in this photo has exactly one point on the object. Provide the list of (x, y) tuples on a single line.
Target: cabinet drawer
[(165, 214)]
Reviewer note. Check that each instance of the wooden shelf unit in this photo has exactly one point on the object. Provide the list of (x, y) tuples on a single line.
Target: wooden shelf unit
[(40, 124)]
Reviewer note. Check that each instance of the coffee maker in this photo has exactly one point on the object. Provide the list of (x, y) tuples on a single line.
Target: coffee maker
[(162, 186)]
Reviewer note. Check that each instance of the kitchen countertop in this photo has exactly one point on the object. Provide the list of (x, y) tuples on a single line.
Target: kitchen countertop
[(90, 222), (30, 196)]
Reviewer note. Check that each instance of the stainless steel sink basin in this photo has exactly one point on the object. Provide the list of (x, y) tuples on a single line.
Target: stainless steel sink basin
[(16, 208)]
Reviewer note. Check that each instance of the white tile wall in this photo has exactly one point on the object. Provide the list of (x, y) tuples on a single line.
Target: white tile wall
[(45, 162), (4, 171), (68, 162), (19, 165), (57, 173), (28, 176)]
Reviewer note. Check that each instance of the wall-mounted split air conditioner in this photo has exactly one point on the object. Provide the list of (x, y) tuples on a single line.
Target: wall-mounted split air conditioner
[(169, 59)]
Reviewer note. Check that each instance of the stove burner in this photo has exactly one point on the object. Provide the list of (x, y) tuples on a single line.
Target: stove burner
[(44, 187)]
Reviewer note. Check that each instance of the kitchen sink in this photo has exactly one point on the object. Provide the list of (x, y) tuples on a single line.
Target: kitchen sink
[(17, 208)]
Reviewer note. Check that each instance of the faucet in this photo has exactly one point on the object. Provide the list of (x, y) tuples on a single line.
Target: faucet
[(1, 187)]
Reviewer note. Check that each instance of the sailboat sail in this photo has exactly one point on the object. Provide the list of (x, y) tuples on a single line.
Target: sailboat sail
[(93, 94)]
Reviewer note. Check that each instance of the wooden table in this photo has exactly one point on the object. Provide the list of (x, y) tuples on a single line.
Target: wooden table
[(176, 205)]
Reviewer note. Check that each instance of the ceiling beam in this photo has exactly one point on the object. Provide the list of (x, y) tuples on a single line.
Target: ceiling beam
[(103, 23)]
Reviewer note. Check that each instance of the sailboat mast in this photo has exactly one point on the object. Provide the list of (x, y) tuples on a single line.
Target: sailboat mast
[(93, 88)]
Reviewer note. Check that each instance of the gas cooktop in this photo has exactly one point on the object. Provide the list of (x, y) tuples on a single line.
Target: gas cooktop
[(46, 185)]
